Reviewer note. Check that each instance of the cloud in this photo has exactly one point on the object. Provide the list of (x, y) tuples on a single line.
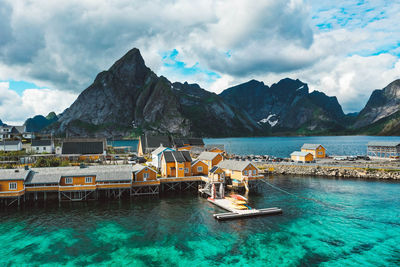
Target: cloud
[(63, 45), (15, 109)]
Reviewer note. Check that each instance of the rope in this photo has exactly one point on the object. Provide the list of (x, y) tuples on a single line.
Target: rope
[(300, 197)]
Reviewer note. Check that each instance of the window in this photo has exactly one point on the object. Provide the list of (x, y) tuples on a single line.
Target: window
[(88, 180), (320, 153), (254, 172), (186, 170), (44, 148), (180, 169), (37, 148), (12, 186), (200, 168), (145, 175), (245, 172), (68, 180)]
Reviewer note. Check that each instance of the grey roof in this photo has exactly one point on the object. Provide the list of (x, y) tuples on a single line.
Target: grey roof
[(207, 155), (179, 142), (300, 153), (20, 129), (13, 174), (83, 147), (211, 146), (10, 143), (196, 161), (235, 165), (214, 169), (41, 142), (386, 144), (102, 173), (138, 167), (152, 142), (311, 146), (178, 156)]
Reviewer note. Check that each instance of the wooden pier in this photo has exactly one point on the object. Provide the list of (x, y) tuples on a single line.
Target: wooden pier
[(239, 214)]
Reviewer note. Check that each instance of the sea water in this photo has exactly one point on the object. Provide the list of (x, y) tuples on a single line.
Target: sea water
[(283, 146), (326, 222)]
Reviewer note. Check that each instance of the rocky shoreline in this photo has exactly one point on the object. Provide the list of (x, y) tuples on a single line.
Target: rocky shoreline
[(332, 171)]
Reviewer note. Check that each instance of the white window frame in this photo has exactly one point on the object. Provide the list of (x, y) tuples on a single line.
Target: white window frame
[(12, 187), (145, 176), (245, 172), (88, 180), (44, 148), (254, 172), (68, 180), (200, 168), (186, 170), (320, 153)]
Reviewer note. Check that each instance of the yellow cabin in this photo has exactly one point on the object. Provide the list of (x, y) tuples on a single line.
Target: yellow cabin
[(210, 158), (239, 170), (302, 156), (143, 173), (317, 150), (12, 182), (176, 164), (216, 174), (199, 168)]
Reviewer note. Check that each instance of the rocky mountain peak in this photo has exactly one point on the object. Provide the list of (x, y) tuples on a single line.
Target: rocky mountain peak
[(393, 89)]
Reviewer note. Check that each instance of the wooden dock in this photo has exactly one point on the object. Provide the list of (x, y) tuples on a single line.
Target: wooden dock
[(238, 214)]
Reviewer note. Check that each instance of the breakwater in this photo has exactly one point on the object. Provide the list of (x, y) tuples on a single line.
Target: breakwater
[(331, 171)]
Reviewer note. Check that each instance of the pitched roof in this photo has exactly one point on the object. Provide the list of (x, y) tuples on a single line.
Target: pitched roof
[(20, 129), (197, 161), (207, 155), (235, 165), (179, 142), (385, 144), (41, 142), (82, 147), (14, 174), (152, 142), (102, 172), (138, 167), (300, 153), (10, 142), (212, 146), (178, 156), (310, 146), (214, 169)]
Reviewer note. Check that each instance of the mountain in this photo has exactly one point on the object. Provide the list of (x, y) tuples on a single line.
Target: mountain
[(287, 106), (39, 122), (1, 123), (382, 104), (129, 97)]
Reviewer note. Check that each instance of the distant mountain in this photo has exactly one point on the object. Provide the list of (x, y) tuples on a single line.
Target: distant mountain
[(1, 123), (39, 122), (287, 106), (130, 98), (381, 104)]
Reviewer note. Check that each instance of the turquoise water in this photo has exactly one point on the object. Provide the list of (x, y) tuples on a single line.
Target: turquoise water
[(347, 223), (283, 146)]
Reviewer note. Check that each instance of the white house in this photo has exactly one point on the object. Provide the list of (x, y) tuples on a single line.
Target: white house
[(6, 132), (42, 146), (10, 145), (156, 155)]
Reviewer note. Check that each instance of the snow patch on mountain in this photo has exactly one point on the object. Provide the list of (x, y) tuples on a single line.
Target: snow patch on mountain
[(270, 120)]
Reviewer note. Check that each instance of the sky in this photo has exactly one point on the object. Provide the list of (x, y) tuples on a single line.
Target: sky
[(50, 51)]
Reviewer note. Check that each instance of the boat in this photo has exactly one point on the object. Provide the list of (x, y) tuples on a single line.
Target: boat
[(239, 197)]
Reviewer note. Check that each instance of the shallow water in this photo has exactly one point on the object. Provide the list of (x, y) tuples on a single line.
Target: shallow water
[(344, 223)]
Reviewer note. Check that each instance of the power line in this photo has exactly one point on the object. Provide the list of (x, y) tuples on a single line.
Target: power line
[(300, 197)]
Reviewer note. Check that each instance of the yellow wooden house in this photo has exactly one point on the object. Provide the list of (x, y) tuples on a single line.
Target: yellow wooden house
[(302, 156), (317, 150)]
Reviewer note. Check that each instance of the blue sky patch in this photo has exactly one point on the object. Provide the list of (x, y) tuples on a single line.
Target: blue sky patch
[(21, 86), (171, 62)]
